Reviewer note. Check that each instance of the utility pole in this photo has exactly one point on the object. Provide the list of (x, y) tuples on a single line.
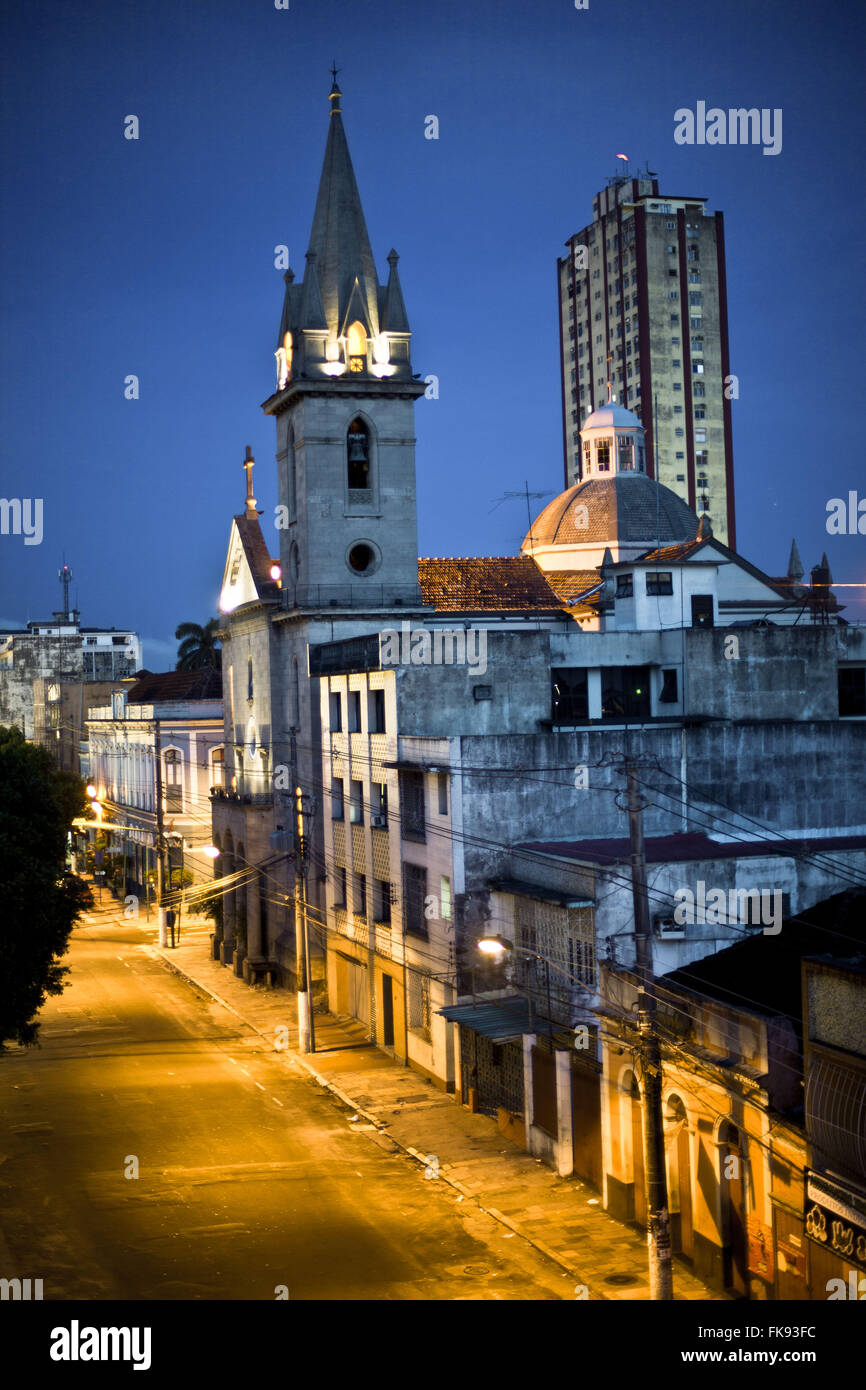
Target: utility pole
[(160, 843), (306, 1030), (658, 1216)]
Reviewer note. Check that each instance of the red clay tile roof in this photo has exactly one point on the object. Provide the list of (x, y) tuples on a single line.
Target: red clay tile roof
[(571, 585), (149, 689), (671, 552), (506, 582)]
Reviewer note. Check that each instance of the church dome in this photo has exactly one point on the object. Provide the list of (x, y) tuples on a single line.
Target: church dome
[(624, 508), (612, 415)]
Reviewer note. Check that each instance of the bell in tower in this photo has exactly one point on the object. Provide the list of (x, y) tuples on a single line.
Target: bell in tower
[(358, 455)]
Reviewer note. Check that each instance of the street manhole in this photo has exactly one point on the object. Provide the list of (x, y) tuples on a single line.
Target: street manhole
[(620, 1280)]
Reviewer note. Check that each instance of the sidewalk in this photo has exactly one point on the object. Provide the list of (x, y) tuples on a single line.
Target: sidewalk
[(560, 1217)]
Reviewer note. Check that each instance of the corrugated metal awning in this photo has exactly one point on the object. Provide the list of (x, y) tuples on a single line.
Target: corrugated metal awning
[(500, 1019)]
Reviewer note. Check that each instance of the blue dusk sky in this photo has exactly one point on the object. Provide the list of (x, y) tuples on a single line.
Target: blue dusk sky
[(155, 257)]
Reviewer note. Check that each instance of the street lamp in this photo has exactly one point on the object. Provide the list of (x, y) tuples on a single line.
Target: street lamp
[(498, 947), (211, 851)]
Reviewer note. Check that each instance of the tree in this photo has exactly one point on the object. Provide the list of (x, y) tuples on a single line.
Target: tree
[(39, 901), (198, 647)]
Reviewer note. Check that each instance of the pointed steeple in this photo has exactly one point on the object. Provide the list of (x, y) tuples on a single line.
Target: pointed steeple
[(394, 316), (795, 564), (312, 309), (339, 235)]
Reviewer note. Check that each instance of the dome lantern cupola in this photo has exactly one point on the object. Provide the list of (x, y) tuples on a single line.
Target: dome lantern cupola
[(612, 441)]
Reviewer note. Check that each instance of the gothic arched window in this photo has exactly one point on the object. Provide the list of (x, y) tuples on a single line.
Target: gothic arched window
[(358, 454), (356, 347)]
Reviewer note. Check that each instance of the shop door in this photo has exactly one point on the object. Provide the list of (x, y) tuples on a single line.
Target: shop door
[(358, 994), (586, 1121), (387, 1011)]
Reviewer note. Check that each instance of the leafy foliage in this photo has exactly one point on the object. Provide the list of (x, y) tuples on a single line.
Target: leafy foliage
[(198, 647), (39, 901)]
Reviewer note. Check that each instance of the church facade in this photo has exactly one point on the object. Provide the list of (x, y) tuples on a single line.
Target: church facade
[(452, 726)]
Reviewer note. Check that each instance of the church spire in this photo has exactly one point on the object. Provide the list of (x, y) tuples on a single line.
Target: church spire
[(394, 316), (339, 235), (250, 511), (339, 319)]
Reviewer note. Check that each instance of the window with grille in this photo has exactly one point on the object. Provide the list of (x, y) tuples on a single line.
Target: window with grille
[(566, 938), (382, 907), (418, 1000), (414, 895), (412, 806)]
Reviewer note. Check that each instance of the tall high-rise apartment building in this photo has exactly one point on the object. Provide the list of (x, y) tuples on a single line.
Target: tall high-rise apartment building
[(643, 306)]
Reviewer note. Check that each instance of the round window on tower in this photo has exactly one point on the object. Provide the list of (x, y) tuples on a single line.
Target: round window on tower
[(363, 558)]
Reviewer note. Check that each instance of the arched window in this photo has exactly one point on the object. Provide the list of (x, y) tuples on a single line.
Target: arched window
[(173, 780), (249, 678), (218, 767), (356, 347), (358, 454)]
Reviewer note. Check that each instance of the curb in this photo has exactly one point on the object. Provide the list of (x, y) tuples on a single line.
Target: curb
[(296, 1059)]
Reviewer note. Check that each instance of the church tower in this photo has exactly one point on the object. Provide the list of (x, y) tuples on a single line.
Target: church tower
[(344, 409)]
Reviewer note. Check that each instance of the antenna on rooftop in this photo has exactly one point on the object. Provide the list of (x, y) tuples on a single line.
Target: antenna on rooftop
[(507, 496), (64, 574)]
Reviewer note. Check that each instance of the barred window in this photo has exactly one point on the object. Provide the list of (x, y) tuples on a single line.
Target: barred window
[(566, 938), (412, 806), (414, 895), (418, 1000)]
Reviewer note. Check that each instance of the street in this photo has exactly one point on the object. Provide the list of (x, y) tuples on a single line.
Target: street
[(252, 1182)]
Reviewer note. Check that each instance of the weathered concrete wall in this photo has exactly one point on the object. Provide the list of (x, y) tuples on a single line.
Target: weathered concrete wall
[(438, 700), (25, 659), (778, 672)]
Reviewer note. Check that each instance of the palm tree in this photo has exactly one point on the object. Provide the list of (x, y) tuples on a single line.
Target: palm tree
[(197, 646)]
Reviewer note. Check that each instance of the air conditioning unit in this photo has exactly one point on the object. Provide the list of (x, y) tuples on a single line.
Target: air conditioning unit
[(379, 822), (668, 929)]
